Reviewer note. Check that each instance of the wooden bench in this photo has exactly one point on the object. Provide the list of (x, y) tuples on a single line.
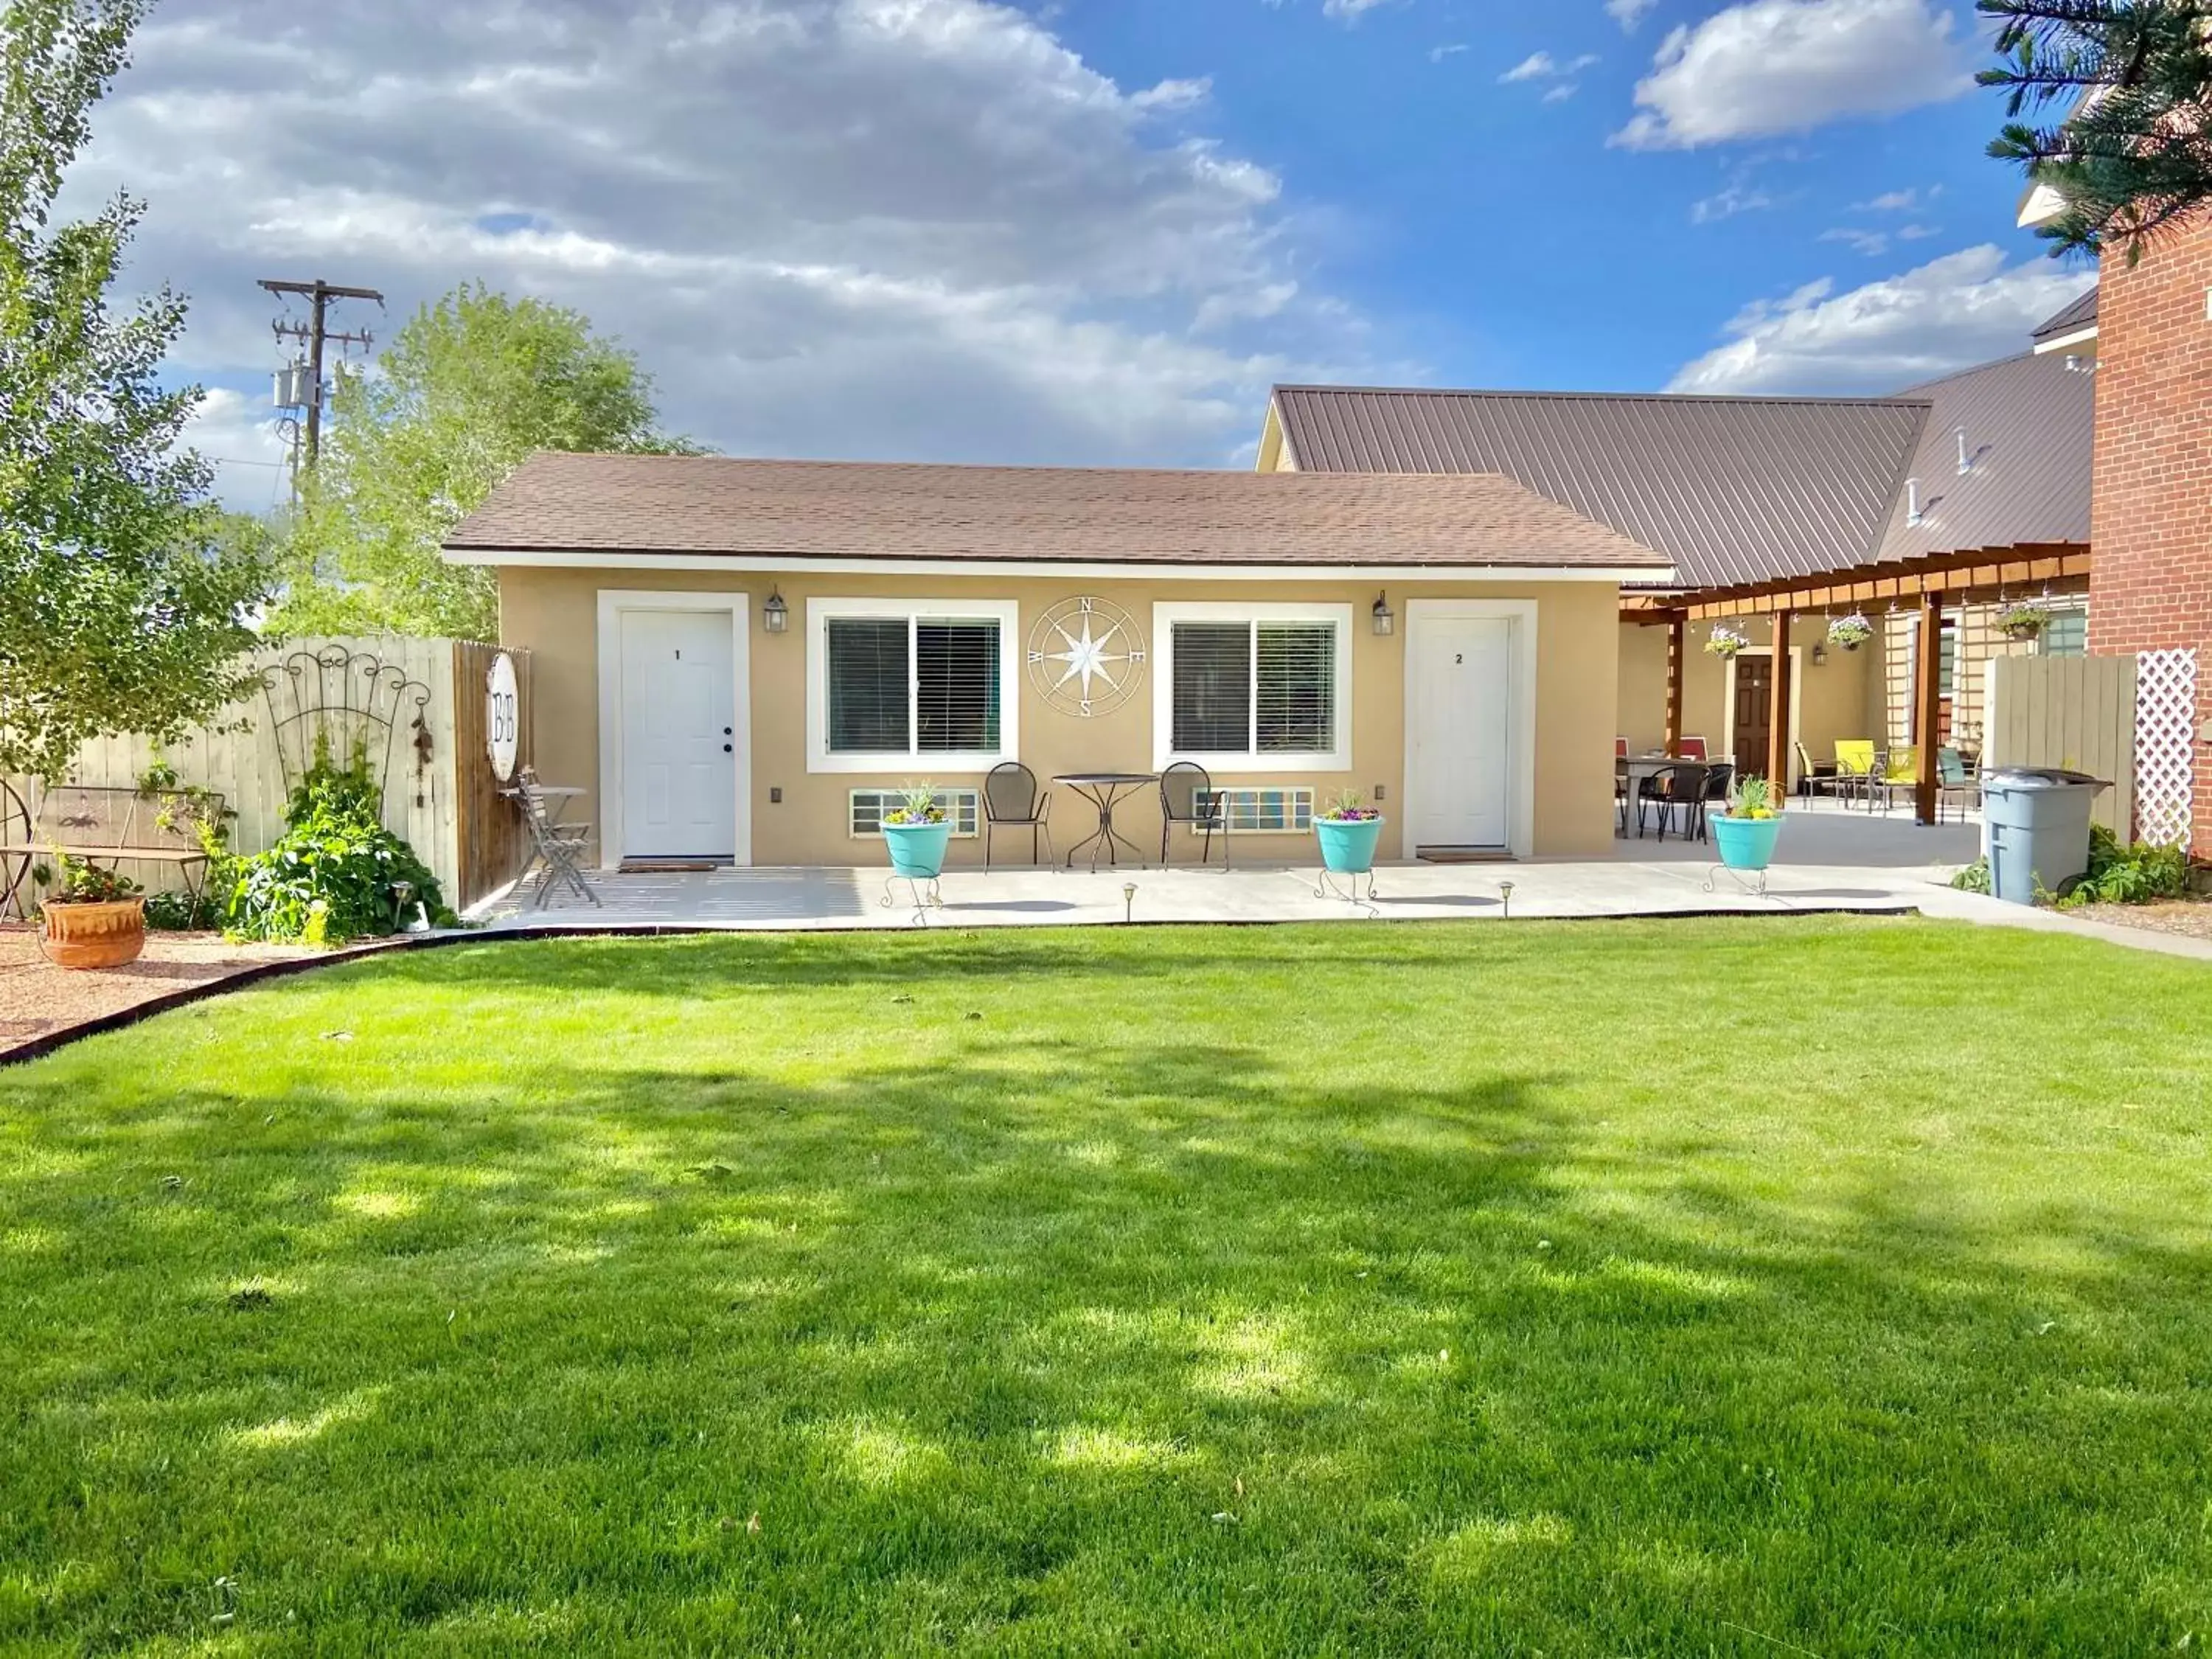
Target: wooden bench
[(104, 826)]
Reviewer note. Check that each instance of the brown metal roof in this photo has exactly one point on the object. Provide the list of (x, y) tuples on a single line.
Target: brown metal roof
[(1736, 489), (2081, 314), (2027, 422), (844, 509)]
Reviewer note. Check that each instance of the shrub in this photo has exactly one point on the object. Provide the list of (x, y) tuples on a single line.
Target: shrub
[(2140, 874), (337, 873), (182, 913), (1974, 878)]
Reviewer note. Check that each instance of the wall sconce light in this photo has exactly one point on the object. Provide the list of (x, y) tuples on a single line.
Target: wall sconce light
[(1819, 655), (776, 615), (1386, 620)]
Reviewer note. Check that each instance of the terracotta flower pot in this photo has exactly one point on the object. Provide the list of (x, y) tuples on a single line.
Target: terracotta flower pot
[(95, 935)]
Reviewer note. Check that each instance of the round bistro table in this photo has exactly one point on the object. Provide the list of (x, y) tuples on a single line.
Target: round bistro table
[(1102, 790)]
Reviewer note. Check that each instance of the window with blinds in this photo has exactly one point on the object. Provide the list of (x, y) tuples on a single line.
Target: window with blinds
[(911, 686), (1258, 688)]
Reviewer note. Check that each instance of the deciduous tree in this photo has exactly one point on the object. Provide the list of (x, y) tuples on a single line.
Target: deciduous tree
[(124, 604), (468, 388)]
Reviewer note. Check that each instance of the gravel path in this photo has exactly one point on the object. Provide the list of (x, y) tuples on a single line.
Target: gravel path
[(37, 997)]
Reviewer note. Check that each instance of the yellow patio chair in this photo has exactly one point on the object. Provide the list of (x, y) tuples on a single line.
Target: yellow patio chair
[(1898, 771), (1854, 765)]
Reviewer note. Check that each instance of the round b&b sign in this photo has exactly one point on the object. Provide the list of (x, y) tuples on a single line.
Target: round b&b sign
[(502, 716)]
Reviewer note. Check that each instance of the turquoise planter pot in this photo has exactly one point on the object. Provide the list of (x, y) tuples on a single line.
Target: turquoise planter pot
[(1744, 843), (918, 850), (1348, 848)]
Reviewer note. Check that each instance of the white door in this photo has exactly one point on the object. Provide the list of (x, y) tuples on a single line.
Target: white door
[(680, 735), (1462, 727)]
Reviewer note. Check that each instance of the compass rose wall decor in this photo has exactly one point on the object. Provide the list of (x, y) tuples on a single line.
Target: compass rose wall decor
[(1086, 657)]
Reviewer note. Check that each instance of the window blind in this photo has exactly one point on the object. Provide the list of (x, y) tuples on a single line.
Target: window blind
[(869, 685), (1212, 687), (1296, 682), (955, 696)]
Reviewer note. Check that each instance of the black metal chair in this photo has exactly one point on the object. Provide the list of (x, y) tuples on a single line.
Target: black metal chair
[(1011, 801), (1681, 786), (1187, 796), (1720, 780)]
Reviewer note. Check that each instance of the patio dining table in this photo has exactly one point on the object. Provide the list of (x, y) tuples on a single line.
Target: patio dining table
[(1102, 790)]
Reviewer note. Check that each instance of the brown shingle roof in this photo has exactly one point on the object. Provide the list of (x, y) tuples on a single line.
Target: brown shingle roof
[(1736, 489), (841, 509), (2027, 422)]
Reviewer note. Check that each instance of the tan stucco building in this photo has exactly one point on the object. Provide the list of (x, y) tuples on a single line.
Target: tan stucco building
[(740, 661)]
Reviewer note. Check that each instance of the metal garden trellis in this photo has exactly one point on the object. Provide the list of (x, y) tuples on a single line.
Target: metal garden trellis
[(344, 704)]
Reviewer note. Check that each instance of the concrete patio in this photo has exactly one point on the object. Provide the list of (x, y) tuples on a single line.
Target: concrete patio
[(1832, 859)]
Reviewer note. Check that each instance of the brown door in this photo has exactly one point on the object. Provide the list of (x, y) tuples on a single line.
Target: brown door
[(1754, 707)]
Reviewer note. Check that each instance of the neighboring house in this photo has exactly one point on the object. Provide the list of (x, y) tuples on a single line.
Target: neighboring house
[(1974, 489), (743, 660)]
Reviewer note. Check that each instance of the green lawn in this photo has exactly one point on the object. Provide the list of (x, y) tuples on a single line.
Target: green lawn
[(1745, 1287)]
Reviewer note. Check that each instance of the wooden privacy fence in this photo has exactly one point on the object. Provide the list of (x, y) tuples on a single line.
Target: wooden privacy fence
[(414, 708), (2074, 712)]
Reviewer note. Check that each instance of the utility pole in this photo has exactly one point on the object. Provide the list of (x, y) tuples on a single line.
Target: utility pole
[(316, 334)]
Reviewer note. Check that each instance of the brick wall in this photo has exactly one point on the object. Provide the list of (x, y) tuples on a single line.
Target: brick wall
[(2152, 526)]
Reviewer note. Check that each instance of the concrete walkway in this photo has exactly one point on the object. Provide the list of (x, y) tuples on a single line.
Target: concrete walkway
[(1831, 860)]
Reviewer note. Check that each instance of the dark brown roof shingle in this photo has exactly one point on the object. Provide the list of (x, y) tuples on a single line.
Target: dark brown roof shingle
[(805, 510), (1736, 489)]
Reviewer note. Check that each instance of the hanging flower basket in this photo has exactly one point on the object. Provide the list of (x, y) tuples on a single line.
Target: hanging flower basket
[(1725, 641), (2024, 621), (1851, 632)]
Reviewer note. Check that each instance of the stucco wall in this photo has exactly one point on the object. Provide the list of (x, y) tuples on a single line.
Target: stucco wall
[(555, 614)]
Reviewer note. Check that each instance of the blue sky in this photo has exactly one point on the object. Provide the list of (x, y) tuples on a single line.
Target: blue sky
[(1089, 231), (1505, 239)]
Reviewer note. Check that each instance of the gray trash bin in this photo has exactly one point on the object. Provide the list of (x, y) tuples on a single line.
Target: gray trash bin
[(2039, 825)]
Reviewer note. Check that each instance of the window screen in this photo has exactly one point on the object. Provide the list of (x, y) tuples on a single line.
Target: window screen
[(869, 685), (1296, 688), (956, 686), (1212, 687)]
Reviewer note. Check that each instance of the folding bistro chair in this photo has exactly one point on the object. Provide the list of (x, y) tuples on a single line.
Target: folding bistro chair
[(1011, 801), (560, 845), (1187, 796)]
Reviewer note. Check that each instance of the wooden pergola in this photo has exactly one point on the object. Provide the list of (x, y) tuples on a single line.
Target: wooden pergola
[(1928, 583)]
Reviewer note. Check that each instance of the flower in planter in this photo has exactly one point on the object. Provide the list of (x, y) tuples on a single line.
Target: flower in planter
[(1751, 798), (1725, 641), (917, 804), (86, 884), (1851, 632), (2025, 621), (1350, 807)]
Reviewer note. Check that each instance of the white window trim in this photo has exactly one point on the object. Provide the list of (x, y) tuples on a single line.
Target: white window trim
[(1167, 613), (819, 615), (1521, 717), (613, 601)]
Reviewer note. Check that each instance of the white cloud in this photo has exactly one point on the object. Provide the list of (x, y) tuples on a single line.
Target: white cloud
[(1965, 308), (1542, 66), (1629, 13), (1772, 66), (918, 228), (1869, 242), (1350, 11), (1437, 54), (1727, 202), (1892, 201), (236, 432)]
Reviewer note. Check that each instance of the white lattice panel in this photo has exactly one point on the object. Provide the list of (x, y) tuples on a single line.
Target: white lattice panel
[(2166, 745)]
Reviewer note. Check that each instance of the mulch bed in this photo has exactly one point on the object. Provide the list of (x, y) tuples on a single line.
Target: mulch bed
[(2192, 918), (38, 999)]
